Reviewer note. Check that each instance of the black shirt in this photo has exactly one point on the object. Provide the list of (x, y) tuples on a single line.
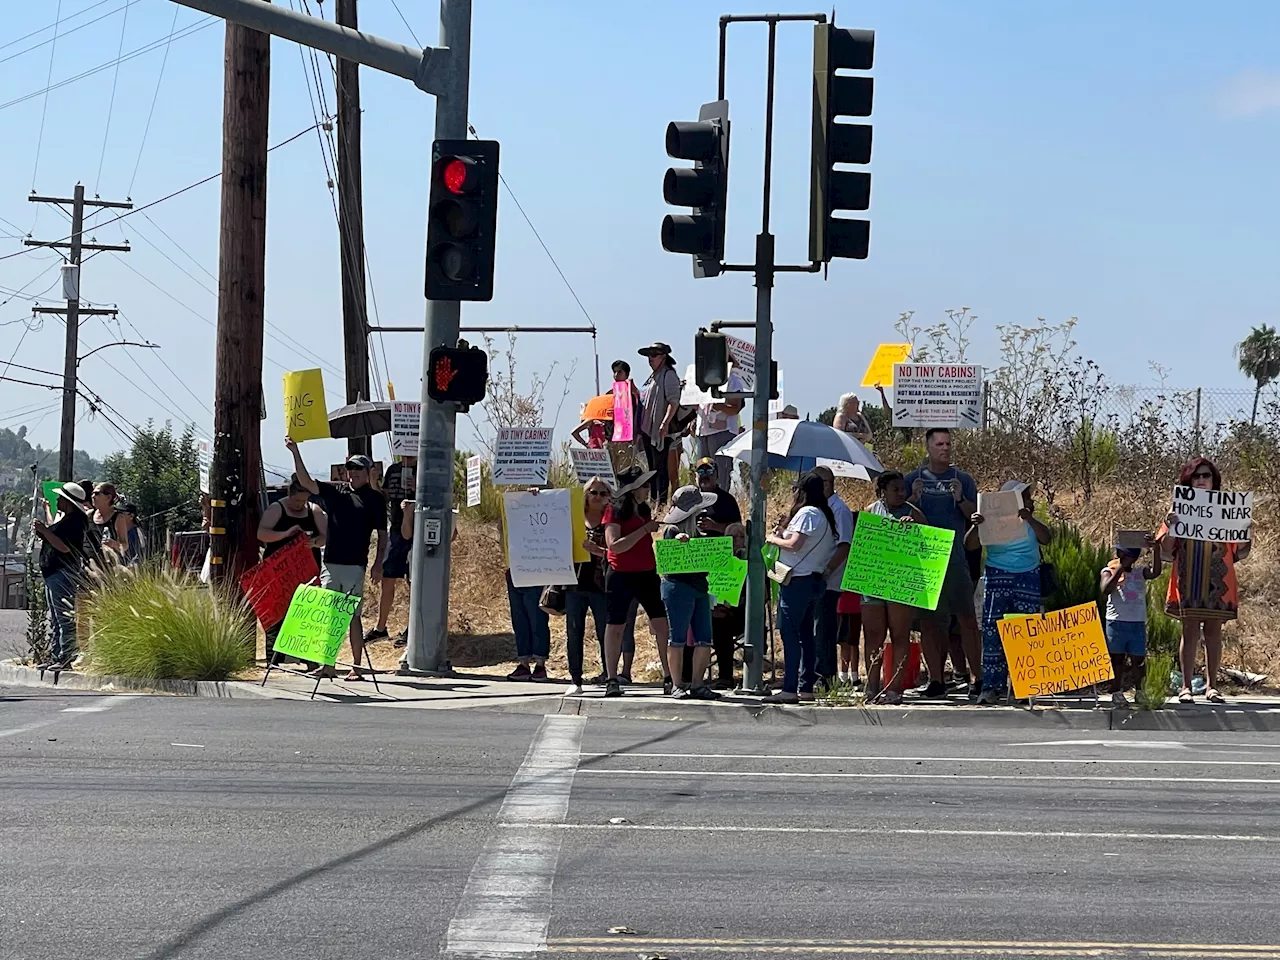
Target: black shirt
[(396, 486), (70, 529), (283, 522), (725, 510), (354, 515)]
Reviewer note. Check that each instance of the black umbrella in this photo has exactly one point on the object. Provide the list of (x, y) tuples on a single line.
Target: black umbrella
[(363, 418)]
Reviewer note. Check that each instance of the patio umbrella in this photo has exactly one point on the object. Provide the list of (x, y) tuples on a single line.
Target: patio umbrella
[(599, 408), (800, 445), (363, 418)]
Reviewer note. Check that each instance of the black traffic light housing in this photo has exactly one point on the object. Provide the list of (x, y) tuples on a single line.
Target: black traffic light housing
[(457, 374), (710, 359), (462, 220), (834, 96), (704, 187)]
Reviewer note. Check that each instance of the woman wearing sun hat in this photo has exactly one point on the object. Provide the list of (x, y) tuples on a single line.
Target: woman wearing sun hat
[(687, 598), (61, 563)]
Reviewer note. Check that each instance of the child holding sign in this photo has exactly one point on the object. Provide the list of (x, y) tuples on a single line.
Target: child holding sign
[(1126, 591)]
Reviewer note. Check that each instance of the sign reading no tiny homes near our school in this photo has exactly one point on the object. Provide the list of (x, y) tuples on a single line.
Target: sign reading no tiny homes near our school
[(1055, 652), (937, 395), (1219, 516)]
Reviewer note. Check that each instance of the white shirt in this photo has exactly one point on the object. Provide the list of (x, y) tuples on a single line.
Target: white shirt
[(711, 420), (819, 543), (844, 534), (1128, 601)]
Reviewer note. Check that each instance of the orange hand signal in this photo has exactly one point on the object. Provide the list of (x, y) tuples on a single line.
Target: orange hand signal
[(444, 374)]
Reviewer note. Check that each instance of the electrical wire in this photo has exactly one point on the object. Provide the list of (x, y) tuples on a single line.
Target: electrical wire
[(44, 110), (406, 23), (111, 104), (154, 97), (157, 354), (69, 17)]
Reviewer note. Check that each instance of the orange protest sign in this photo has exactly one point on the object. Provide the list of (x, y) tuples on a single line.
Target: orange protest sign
[(269, 586)]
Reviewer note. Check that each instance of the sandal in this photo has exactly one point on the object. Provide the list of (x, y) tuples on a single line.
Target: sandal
[(1213, 696), (1185, 696), (353, 676)]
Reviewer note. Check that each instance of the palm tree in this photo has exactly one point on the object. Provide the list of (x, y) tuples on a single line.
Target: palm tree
[(1258, 355)]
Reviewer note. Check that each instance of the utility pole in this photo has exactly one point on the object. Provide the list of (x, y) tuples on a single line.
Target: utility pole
[(242, 245), (72, 313), (355, 317)]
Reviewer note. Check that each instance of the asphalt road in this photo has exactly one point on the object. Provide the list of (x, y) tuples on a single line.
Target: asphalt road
[(157, 827)]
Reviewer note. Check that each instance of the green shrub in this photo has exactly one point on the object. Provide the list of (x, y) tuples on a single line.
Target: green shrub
[(158, 625), (1078, 564), (1163, 632), (1155, 684)]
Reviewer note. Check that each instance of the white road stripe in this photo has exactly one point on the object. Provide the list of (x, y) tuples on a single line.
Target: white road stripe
[(918, 832), (506, 905), (836, 757), (103, 703), (745, 774)]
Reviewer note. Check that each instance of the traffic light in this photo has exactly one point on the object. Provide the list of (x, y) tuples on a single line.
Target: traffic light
[(462, 219), (710, 360), (457, 374), (704, 187), (834, 96)]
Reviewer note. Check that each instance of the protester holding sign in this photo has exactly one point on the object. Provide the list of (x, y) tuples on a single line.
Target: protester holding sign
[(807, 537), (288, 517), (687, 598), (1011, 586), (729, 617), (632, 573), (850, 418), (947, 498), (1125, 588), (1203, 592), (879, 616)]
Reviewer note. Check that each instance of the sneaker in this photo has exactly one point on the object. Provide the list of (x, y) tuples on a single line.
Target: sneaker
[(975, 691), (855, 681), (612, 688), (782, 697), (599, 681), (521, 672), (539, 673), (681, 693), (667, 685), (724, 683), (377, 633), (1118, 700), (401, 641), (704, 693), (891, 698), (988, 698), (624, 679), (936, 690), (575, 690), (808, 697)]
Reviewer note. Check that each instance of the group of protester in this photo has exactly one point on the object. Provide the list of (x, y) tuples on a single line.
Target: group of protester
[(90, 527)]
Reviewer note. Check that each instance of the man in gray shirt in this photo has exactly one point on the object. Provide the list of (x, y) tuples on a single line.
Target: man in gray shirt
[(660, 405)]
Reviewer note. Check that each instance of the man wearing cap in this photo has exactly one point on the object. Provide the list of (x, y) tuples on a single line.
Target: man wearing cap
[(717, 425), (355, 512), (660, 405), (61, 561), (725, 511)]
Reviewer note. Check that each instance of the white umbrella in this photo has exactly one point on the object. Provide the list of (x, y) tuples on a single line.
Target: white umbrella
[(803, 444)]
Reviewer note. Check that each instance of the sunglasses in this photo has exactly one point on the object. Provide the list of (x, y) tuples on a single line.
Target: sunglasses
[(706, 471), (598, 493), (1202, 476)]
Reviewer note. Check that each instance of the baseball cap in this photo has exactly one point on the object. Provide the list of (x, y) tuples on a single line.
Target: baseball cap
[(705, 462), (359, 462)]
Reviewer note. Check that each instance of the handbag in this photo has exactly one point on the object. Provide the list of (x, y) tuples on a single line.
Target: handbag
[(1049, 582), (780, 573), (552, 600)]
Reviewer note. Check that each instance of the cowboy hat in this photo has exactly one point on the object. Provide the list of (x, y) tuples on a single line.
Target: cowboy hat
[(654, 349), (638, 480), (688, 501)]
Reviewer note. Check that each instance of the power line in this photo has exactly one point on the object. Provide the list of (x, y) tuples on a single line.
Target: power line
[(157, 354), (154, 97), (406, 23), (44, 110), (88, 23), (35, 33), (111, 104)]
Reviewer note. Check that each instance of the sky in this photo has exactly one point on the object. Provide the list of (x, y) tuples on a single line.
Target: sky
[(1114, 163)]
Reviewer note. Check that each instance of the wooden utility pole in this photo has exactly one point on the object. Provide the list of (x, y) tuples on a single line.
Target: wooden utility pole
[(242, 246), (355, 319), (72, 312)]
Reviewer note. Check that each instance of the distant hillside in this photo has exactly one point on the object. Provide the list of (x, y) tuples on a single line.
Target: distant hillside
[(17, 456)]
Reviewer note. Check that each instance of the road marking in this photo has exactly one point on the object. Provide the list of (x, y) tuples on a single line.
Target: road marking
[(1133, 744), (198, 746), (914, 832), (836, 757), (932, 948), (506, 905), (808, 775), (103, 703)]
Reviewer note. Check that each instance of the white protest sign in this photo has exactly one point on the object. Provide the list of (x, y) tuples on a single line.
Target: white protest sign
[(473, 481), (937, 395), (1000, 520), (690, 395), (522, 456), (405, 417), (204, 457), (539, 538), (590, 464), (743, 355), (1218, 516), (775, 406)]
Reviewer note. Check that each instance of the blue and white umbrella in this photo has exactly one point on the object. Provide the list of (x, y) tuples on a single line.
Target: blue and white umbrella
[(801, 445)]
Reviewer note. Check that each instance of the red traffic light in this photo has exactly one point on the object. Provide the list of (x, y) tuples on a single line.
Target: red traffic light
[(457, 175)]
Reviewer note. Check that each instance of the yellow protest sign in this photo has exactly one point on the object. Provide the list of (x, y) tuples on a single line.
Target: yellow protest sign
[(578, 520), (305, 415), (1056, 652), (881, 368)]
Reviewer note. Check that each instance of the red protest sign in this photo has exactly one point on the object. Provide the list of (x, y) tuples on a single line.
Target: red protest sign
[(269, 587)]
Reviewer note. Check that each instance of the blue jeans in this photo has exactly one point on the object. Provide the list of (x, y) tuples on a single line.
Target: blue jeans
[(576, 604), (798, 602), (528, 622), (60, 597), (687, 607)]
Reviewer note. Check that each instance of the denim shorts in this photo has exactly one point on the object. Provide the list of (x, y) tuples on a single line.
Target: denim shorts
[(1127, 637)]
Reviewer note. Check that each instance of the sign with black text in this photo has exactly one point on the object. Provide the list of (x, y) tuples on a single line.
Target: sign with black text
[(1219, 516)]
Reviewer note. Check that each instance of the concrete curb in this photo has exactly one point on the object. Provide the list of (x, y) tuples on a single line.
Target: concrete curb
[(19, 675)]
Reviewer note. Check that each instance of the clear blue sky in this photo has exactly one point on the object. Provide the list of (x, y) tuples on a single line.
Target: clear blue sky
[(1111, 162)]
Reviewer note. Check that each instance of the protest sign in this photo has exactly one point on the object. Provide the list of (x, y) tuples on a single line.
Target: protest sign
[(623, 412), (305, 415), (937, 395), (49, 490), (522, 456), (776, 405), (204, 462), (880, 370), (337, 473), (725, 582), (270, 586), (743, 355), (690, 394), (1055, 652), (1218, 516), (1000, 520), (539, 533), (696, 555), (1132, 539), (473, 481), (406, 415), (902, 562), (578, 516), (316, 624), (589, 464)]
